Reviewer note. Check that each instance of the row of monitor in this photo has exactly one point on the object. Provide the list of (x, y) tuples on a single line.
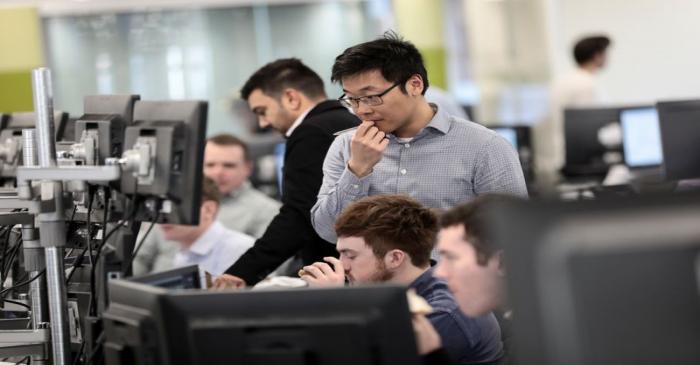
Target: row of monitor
[(591, 282), (173, 133), (658, 136)]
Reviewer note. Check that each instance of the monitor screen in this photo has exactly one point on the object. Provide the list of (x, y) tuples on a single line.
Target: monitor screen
[(680, 138), (641, 137), (585, 154), (603, 282), (189, 277), (345, 326), (509, 134)]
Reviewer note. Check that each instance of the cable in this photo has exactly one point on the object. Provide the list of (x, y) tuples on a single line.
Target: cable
[(138, 246), (90, 197), (76, 360), (98, 347), (13, 255), (23, 360), (17, 303), (93, 271), (2, 292)]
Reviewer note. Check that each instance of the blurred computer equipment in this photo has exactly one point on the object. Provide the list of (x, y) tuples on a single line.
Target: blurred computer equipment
[(369, 325), (680, 138), (603, 282), (521, 139)]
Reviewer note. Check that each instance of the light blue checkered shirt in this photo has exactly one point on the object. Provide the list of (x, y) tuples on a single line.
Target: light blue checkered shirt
[(449, 162)]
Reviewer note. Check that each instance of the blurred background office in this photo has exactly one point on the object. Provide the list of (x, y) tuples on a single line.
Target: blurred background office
[(495, 58)]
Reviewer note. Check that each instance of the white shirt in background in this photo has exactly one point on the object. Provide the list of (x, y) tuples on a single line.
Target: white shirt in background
[(578, 89), (215, 250)]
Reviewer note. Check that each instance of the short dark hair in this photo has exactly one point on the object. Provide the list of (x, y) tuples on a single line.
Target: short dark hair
[(587, 48), (210, 192), (230, 140), (388, 222), (474, 217), (284, 73), (394, 57)]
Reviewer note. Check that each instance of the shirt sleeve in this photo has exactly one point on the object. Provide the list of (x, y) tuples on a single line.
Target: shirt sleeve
[(498, 169), (291, 228), (267, 212), (340, 187), (454, 341), (146, 257)]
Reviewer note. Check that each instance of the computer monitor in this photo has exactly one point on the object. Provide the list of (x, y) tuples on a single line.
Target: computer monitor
[(603, 282), (26, 120), (188, 277), (520, 137), (585, 154), (680, 138), (178, 130), (369, 325), (641, 137), (510, 134)]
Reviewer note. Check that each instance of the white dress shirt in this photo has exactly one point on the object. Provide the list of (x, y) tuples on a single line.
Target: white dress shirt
[(215, 250)]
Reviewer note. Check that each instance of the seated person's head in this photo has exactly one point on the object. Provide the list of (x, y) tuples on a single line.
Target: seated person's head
[(207, 215), (469, 261), (227, 162), (385, 238)]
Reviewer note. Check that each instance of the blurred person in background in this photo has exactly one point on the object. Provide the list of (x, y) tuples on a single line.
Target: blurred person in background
[(209, 244), (576, 89)]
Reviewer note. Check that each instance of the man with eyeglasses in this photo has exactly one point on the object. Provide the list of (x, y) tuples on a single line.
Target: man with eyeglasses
[(404, 144)]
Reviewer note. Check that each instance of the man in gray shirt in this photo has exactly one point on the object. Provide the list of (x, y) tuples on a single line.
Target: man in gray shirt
[(406, 145), (243, 208)]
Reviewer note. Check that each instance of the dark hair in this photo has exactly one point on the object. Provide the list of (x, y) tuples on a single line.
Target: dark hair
[(474, 217), (230, 140), (587, 48), (210, 192), (388, 222), (284, 73), (394, 57)]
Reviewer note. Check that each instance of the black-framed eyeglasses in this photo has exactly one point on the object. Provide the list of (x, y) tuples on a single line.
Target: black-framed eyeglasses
[(369, 100)]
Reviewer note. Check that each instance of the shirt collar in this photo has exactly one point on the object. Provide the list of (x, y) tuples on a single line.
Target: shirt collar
[(441, 120), (238, 192), (205, 243), (423, 281), (297, 122)]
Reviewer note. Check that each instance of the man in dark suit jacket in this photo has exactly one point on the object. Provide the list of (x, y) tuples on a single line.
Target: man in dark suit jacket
[(289, 97)]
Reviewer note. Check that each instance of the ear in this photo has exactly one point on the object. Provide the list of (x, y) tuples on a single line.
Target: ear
[(395, 258), (209, 209), (291, 99), (415, 85), (248, 168), (499, 263)]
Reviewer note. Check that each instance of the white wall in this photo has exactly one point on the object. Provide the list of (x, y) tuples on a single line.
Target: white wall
[(656, 50)]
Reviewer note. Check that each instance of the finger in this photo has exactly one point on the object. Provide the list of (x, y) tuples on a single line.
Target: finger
[(219, 282), (314, 271), (324, 267), (380, 136), (371, 132), (239, 284), (337, 264), (383, 144), (362, 129)]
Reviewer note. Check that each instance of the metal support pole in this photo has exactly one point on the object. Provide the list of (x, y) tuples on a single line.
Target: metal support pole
[(51, 223)]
